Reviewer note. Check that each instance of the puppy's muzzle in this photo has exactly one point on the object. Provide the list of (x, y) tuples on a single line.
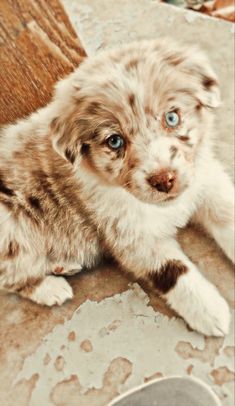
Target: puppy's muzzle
[(163, 181)]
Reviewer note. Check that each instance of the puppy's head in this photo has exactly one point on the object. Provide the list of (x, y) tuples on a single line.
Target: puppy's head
[(138, 117)]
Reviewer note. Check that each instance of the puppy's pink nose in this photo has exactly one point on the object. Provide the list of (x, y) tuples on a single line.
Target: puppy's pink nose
[(163, 181)]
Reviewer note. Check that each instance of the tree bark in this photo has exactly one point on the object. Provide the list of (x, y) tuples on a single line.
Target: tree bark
[(38, 46)]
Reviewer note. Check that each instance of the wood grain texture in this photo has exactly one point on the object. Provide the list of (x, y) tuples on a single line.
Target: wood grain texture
[(38, 46)]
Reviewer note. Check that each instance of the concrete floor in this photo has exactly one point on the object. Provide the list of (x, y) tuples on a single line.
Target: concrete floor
[(114, 334)]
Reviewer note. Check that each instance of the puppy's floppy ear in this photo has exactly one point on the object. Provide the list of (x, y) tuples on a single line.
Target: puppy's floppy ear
[(208, 90), (209, 96), (65, 131), (65, 139)]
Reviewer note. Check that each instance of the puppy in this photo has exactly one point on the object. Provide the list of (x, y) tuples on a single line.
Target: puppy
[(117, 162)]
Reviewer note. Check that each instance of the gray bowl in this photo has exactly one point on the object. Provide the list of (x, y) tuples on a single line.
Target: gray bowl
[(172, 391)]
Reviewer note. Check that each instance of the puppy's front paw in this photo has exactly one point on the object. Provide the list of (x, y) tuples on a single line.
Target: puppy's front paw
[(52, 290), (211, 315)]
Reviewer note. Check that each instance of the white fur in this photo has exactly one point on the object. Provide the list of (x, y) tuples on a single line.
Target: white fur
[(53, 290)]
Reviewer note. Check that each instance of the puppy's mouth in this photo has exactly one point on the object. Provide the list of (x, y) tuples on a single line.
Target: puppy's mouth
[(161, 199), (167, 199), (153, 196), (172, 196)]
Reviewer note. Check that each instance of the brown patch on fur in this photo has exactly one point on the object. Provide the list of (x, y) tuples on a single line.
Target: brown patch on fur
[(132, 162), (166, 278), (131, 165), (70, 156), (85, 149), (120, 153), (170, 99), (132, 64), (208, 82), (93, 108), (131, 101), (46, 186), (148, 111), (199, 106), (13, 250), (173, 151), (9, 205), (183, 138), (58, 269), (35, 203), (108, 168), (174, 59), (4, 189)]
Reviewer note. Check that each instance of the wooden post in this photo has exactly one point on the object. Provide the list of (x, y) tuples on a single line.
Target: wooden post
[(38, 46)]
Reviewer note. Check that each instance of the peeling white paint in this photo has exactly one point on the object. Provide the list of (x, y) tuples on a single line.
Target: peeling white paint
[(121, 326)]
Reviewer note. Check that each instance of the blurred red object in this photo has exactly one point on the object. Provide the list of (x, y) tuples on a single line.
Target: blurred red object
[(224, 9)]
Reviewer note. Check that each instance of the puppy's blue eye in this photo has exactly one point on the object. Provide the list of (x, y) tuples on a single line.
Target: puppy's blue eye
[(115, 141), (172, 119)]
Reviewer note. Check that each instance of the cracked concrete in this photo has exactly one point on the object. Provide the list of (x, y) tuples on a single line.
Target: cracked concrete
[(115, 334), (114, 344)]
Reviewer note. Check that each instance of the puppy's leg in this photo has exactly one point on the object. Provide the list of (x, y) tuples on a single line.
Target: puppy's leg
[(177, 279), (190, 294), (216, 213), (50, 290), (26, 275)]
